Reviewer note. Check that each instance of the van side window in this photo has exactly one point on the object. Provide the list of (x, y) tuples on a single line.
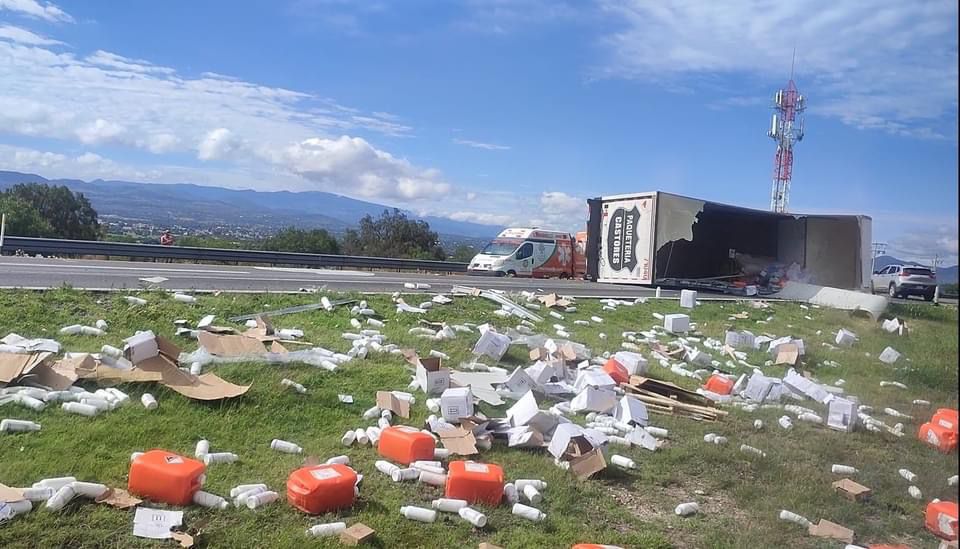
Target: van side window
[(525, 251)]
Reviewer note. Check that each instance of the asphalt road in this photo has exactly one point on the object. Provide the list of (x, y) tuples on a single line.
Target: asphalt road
[(28, 272)]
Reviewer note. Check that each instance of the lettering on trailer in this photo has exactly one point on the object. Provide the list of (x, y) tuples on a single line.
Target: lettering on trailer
[(622, 239)]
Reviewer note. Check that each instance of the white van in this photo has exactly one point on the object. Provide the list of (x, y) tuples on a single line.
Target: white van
[(528, 252)]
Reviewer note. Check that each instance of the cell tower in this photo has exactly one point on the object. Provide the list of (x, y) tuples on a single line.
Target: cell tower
[(786, 129)]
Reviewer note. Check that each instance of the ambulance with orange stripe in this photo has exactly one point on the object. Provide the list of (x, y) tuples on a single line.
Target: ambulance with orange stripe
[(532, 252)]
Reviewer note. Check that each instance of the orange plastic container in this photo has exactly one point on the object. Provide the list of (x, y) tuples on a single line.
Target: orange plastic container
[(939, 437), (165, 477), (719, 384), (320, 488), (475, 482), (941, 519), (948, 419), (617, 371), (405, 444)]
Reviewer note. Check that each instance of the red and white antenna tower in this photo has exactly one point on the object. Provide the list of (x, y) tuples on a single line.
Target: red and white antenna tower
[(786, 129)]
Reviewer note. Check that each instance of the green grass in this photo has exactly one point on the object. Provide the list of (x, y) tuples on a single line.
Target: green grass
[(739, 496)]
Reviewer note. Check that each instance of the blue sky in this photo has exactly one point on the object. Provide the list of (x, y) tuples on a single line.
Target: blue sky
[(497, 111)]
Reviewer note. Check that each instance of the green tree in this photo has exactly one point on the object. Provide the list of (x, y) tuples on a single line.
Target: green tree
[(393, 235), (313, 241), (463, 253), (22, 218), (69, 213)]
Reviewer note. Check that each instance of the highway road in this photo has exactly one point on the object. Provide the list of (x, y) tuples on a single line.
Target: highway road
[(28, 272)]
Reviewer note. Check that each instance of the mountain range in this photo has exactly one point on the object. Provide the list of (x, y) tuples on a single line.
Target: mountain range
[(189, 205)]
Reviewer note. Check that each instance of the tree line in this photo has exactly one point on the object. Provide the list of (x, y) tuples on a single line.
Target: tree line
[(54, 211)]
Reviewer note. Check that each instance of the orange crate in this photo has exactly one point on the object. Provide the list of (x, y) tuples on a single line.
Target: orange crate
[(405, 444), (941, 519), (320, 488), (617, 371), (475, 482), (719, 384), (165, 477), (939, 437), (948, 419)]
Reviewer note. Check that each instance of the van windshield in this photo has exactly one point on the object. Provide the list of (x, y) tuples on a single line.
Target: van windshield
[(501, 247)]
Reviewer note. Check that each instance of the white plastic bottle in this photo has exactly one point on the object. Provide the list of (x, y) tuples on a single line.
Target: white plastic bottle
[(240, 500), (348, 438), (448, 505), (751, 450), (78, 408), (402, 475), (838, 469), (510, 493), (208, 500), (531, 494), (148, 401), (527, 512), (386, 467), (621, 461), (261, 499), (915, 492), (202, 448), (60, 499), (687, 509), (758, 424), (473, 516), (327, 530), (219, 457), (908, 475), (55, 483), (433, 479), (418, 513), (785, 422), (184, 298), (794, 518), (18, 425), (241, 488), (285, 446), (42, 493), (111, 351), (339, 460), (90, 490)]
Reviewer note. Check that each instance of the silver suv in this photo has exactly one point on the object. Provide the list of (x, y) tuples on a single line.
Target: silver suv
[(904, 280)]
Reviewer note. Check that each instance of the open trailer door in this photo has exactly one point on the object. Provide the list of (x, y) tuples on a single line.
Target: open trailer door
[(622, 250)]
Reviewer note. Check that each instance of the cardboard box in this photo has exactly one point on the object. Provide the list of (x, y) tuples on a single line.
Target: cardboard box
[(13, 365), (889, 355), (140, 347), (356, 534), (845, 338), (431, 375), (635, 364), (524, 437), (676, 323), (588, 464), (593, 378), (527, 412), (592, 399), (541, 372), (388, 401), (688, 299), (842, 414), (640, 437), (831, 530), (456, 403), (851, 490), (632, 410), (740, 340), (519, 382), (788, 353), (492, 344), (459, 441)]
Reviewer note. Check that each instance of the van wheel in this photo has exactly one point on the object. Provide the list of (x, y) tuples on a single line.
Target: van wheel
[(928, 296), (893, 290), (511, 274), (564, 276)]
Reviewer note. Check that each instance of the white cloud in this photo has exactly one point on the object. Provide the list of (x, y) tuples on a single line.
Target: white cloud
[(109, 60), (99, 131), (483, 218), (351, 163), (562, 204), (887, 65), (218, 144), (481, 145), (922, 245), (87, 165), (23, 36), (40, 10)]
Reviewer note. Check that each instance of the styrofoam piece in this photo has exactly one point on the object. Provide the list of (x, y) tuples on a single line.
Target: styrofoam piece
[(220, 457), (285, 446), (473, 516), (329, 529), (261, 499), (208, 500), (81, 409), (687, 509), (527, 512), (18, 425)]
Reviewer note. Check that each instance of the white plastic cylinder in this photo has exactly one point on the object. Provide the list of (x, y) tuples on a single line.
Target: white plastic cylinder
[(401, 475), (42, 493), (810, 418), (758, 424), (60, 499), (91, 490), (719, 440), (202, 448), (621, 461), (18, 425), (148, 401), (55, 483), (73, 329), (386, 467), (285, 446), (418, 513), (536, 483), (433, 479), (657, 431), (915, 492), (219, 457), (294, 385), (838, 469), (111, 351), (531, 494), (687, 509), (908, 475), (100, 404), (20, 507), (527, 512), (383, 423), (441, 453), (373, 433), (91, 331), (433, 404), (348, 438), (196, 368), (751, 450), (952, 481), (794, 518), (339, 460), (241, 488), (261, 499), (326, 530), (428, 468), (135, 300), (473, 516), (101, 324), (785, 422), (371, 413), (34, 404), (709, 437), (78, 408), (361, 436), (208, 500), (240, 500), (510, 493), (184, 298), (449, 505)]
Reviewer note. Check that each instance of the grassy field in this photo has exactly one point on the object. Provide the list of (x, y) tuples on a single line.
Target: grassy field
[(739, 496)]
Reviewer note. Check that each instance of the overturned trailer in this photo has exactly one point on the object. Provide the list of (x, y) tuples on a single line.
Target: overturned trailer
[(671, 240)]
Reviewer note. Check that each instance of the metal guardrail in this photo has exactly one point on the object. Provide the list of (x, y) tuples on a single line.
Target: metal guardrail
[(53, 246)]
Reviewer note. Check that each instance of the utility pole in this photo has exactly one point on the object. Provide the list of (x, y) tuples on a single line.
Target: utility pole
[(936, 289), (879, 248)]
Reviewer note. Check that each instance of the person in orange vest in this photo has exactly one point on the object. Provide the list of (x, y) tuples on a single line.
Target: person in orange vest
[(166, 239)]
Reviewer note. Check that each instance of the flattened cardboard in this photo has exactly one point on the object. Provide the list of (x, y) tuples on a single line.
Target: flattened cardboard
[(356, 534), (13, 366), (230, 345), (277, 347), (263, 332), (202, 387), (183, 538), (554, 300), (119, 498), (106, 375), (830, 530), (8, 494), (486, 545), (459, 441), (387, 401), (787, 353), (585, 466), (854, 491)]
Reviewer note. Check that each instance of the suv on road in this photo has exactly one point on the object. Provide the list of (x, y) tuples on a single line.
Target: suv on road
[(904, 280)]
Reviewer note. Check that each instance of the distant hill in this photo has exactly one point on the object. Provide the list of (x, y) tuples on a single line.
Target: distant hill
[(184, 204), (945, 275)]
